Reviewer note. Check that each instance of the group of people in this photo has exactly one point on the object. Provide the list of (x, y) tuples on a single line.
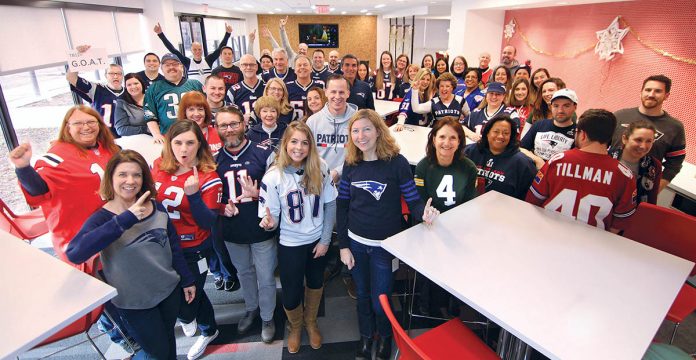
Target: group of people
[(260, 165)]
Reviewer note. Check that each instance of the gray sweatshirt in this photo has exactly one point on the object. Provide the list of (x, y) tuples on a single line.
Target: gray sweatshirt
[(331, 135)]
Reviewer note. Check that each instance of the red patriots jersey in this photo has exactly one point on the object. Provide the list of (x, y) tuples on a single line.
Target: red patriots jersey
[(73, 177), (213, 139), (592, 188), (170, 192)]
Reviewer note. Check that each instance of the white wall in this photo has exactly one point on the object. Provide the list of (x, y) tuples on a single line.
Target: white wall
[(473, 31), (382, 40), (429, 36)]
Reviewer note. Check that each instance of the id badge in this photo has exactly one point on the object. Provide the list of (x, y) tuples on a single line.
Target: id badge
[(202, 265)]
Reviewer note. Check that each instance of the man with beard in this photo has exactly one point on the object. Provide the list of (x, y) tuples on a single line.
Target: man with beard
[(162, 97), (508, 60), (334, 66), (241, 165), (670, 138), (245, 93)]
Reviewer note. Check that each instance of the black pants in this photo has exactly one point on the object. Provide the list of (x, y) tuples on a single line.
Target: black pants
[(295, 264), (200, 308)]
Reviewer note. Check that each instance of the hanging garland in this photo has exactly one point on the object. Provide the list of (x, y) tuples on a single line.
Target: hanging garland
[(513, 27)]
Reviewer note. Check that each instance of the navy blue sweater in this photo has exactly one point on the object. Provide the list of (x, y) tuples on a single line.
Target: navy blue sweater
[(369, 199)]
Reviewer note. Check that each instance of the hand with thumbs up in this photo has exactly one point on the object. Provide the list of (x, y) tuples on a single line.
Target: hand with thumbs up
[(139, 208), (430, 213), (268, 223), (231, 209), (191, 185)]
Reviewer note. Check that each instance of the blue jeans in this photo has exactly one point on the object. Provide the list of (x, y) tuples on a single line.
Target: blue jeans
[(373, 276), (200, 308), (153, 328), (219, 262)]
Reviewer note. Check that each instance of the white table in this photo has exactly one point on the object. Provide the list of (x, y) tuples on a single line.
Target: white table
[(569, 290), (385, 108), (41, 296), (143, 144)]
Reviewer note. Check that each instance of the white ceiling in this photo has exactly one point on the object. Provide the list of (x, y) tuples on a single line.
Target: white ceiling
[(340, 7)]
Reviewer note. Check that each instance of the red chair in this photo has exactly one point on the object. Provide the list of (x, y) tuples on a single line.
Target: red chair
[(83, 324), (672, 232), (451, 340), (27, 226)]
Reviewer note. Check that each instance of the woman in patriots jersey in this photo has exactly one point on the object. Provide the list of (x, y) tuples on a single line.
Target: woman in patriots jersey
[(268, 131), (194, 107), (445, 103), (458, 69), (141, 255), (424, 82), (471, 93), (375, 176), (298, 196), (364, 73), (276, 88), (408, 78), (441, 67), (76, 160), (491, 106), (385, 80), (189, 189)]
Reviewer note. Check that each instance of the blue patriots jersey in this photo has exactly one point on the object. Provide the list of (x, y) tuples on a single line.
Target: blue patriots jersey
[(244, 97), (321, 75), (412, 118), (162, 101), (478, 118), (440, 110), (252, 160), (101, 97), (390, 85), (297, 94), (288, 76)]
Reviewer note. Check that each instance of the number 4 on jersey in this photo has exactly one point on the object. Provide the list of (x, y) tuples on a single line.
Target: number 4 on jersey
[(446, 190)]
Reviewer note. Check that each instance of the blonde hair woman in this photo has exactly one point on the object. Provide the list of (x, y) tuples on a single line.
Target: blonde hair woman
[(277, 89)]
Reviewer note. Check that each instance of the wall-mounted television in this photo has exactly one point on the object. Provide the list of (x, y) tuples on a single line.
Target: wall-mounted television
[(319, 35)]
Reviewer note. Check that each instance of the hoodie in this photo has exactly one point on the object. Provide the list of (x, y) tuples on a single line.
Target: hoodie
[(331, 135), (258, 135), (509, 173)]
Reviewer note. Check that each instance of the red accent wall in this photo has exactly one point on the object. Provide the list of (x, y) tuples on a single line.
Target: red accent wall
[(616, 84)]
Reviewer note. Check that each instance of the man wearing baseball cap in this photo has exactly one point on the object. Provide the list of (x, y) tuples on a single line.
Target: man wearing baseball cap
[(549, 137), (494, 104), (162, 97)]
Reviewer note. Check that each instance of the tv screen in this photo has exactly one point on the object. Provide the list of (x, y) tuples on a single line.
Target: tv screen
[(319, 35)]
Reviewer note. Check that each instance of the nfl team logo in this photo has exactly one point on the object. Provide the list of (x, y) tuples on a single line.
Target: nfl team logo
[(538, 177), (489, 163)]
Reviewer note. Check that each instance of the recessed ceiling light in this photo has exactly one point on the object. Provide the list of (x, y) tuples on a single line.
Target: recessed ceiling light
[(363, 11), (271, 12), (368, 14), (343, 12), (299, 11), (380, 6), (278, 9), (332, 9), (313, 7)]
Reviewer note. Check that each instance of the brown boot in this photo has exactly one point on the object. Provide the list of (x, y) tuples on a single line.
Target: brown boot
[(312, 298), (295, 328)]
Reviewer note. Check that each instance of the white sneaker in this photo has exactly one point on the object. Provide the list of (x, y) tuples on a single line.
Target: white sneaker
[(199, 346), (190, 328)]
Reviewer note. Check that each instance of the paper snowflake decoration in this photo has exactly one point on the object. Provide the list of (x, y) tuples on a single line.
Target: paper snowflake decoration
[(509, 29), (609, 41)]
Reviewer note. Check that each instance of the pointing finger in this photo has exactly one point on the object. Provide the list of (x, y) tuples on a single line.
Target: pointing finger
[(268, 213), (427, 204), (195, 173), (143, 198)]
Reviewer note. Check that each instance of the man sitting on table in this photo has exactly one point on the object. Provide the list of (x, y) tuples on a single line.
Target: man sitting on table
[(586, 183)]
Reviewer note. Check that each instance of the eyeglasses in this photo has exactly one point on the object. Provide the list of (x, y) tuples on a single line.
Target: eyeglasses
[(232, 126), (81, 124), (114, 74)]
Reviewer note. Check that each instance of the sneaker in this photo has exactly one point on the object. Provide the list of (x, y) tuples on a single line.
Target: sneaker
[(268, 331), (232, 284), (219, 283), (190, 328), (350, 287), (199, 346), (246, 321)]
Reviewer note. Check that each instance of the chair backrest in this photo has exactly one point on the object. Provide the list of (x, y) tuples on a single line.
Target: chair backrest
[(7, 220), (664, 229), (409, 349), (84, 323)]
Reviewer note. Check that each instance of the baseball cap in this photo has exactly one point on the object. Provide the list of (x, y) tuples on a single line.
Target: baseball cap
[(565, 93), (495, 87), (170, 56)]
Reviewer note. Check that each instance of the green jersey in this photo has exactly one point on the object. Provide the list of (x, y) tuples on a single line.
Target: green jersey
[(447, 186), (162, 101)]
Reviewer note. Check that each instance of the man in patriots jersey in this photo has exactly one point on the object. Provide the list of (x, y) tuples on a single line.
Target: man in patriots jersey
[(151, 72), (320, 71), (549, 137), (670, 138), (245, 93), (197, 67), (280, 67), (101, 97), (227, 70), (297, 90), (241, 165), (214, 90), (360, 91), (334, 66), (162, 97), (586, 183)]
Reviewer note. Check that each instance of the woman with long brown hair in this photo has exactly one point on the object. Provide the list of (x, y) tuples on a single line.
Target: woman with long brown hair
[(385, 78)]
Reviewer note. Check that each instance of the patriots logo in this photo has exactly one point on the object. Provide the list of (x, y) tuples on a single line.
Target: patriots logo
[(158, 236), (375, 188), (361, 94), (489, 163)]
